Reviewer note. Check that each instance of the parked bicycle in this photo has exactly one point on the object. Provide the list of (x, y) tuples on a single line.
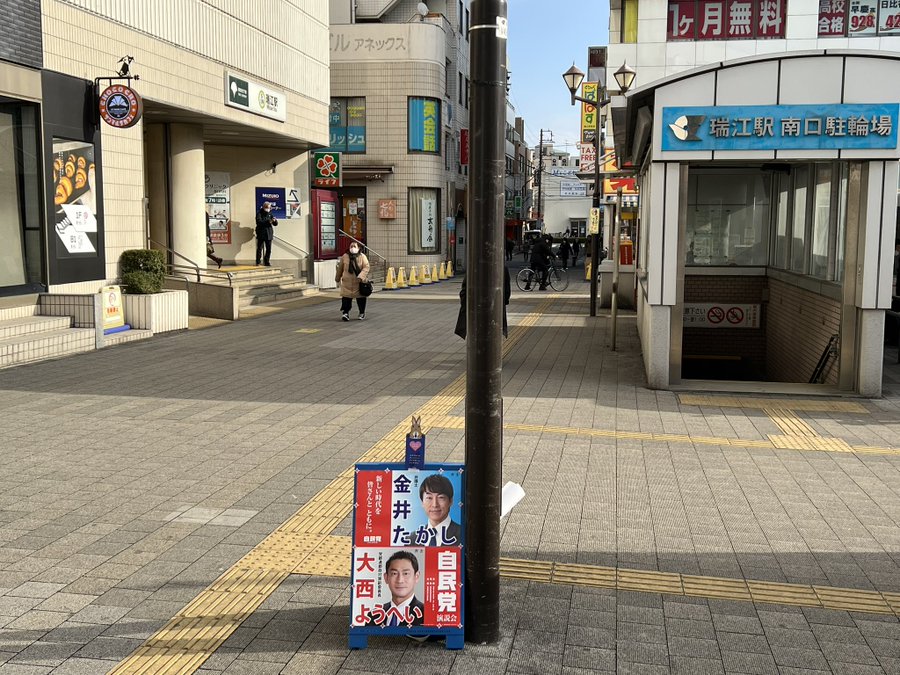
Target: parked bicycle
[(557, 277)]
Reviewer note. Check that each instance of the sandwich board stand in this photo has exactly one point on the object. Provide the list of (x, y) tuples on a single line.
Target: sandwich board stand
[(407, 549)]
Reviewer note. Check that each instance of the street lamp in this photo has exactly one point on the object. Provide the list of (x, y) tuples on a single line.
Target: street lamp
[(573, 78)]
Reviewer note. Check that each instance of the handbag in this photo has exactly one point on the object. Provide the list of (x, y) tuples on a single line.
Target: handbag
[(365, 288)]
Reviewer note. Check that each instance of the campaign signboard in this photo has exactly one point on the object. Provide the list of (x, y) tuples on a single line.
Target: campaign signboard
[(407, 556)]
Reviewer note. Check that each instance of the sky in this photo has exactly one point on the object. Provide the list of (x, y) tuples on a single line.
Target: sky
[(545, 37)]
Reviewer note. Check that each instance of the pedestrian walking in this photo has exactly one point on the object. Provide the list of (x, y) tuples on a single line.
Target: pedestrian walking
[(576, 249), (265, 232), (210, 249), (352, 269), (510, 245), (461, 317), (565, 249)]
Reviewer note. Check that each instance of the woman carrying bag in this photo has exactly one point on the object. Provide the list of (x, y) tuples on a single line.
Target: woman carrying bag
[(353, 273)]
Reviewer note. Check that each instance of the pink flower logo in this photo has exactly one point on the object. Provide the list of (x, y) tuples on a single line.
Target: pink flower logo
[(327, 166)]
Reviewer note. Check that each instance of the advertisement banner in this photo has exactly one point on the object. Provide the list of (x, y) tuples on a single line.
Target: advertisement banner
[(889, 17), (407, 556), (276, 197), (218, 206), (464, 147), (75, 198), (780, 127), (588, 155), (681, 23), (589, 90), (832, 18), (861, 19), (424, 125), (254, 97)]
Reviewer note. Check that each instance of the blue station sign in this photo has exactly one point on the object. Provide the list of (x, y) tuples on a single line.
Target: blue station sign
[(869, 126)]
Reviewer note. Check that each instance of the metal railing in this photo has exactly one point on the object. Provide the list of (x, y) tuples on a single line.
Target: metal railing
[(179, 270), (303, 259)]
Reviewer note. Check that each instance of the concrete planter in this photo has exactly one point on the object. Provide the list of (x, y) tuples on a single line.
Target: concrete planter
[(157, 312)]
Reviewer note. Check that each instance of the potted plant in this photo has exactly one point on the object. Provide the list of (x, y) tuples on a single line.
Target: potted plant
[(147, 306)]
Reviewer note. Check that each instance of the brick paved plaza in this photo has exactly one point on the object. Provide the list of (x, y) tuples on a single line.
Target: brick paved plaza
[(660, 532)]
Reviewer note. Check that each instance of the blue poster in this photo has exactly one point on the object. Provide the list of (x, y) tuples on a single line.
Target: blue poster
[(276, 197), (844, 126), (424, 125)]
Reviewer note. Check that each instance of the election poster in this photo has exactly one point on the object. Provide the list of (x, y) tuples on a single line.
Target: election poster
[(407, 556)]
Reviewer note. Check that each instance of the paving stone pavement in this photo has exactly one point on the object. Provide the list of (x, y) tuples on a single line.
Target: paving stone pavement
[(132, 477)]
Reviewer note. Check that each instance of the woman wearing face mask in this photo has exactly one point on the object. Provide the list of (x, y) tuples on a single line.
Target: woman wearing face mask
[(352, 268)]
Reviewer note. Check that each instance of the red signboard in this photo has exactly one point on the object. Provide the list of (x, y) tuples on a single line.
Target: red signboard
[(712, 20), (682, 21), (832, 18), (725, 19), (464, 147), (772, 18)]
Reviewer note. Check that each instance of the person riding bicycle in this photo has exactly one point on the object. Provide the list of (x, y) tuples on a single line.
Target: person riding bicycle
[(541, 253)]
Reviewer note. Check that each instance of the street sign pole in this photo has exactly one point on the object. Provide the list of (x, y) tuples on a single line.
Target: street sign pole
[(484, 317)]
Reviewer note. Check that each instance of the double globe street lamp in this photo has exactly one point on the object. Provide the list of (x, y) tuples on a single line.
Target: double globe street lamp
[(573, 78)]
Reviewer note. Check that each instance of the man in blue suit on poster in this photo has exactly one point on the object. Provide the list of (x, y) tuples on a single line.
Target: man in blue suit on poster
[(436, 493), (401, 574)]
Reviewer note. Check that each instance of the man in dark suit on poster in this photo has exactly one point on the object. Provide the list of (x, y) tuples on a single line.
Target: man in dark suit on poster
[(401, 574), (436, 493)]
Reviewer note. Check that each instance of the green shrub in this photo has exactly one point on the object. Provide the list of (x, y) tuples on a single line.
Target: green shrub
[(142, 270)]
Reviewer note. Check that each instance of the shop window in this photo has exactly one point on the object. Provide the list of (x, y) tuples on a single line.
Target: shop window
[(424, 234), (347, 125), (423, 125), (727, 221), (840, 229), (629, 21), (782, 221), (822, 240)]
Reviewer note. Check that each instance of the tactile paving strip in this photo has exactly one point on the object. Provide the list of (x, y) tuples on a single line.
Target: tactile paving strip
[(194, 634), (808, 405)]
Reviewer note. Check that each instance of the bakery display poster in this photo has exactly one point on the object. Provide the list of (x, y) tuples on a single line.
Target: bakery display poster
[(74, 198)]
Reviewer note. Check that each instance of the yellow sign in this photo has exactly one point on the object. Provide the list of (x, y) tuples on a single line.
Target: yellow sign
[(610, 185), (111, 301), (594, 224), (589, 90)]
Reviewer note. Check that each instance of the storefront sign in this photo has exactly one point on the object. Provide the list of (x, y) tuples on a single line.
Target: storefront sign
[(464, 147), (327, 170), (612, 185), (424, 124), (111, 302), (832, 18), (255, 98), (407, 558), (572, 188), (594, 221), (780, 127), (120, 106), (429, 218), (720, 315), (218, 206), (276, 197), (387, 208)]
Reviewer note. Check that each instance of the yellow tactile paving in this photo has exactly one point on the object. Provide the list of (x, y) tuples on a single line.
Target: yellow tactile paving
[(807, 405), (194, 634)]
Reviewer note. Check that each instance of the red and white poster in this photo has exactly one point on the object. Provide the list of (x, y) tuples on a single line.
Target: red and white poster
[(832, 18), (771, 19), (712, 21), (682, 20), (861, 19)]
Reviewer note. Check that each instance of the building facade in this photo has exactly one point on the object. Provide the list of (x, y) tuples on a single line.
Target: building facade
[(78, 191), (764, 140), (399, 116)]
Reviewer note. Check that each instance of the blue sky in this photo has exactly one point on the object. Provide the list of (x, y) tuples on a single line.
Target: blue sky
[(545, 37)]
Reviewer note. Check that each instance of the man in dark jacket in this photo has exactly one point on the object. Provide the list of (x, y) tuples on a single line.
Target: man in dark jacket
[(540, 259), (265, 232), (461, 317)]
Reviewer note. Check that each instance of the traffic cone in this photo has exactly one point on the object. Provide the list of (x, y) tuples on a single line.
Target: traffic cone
[(390, 284), (401, 278), (426, 275), (450, 269), (435, 279), (442, 273), (413, 279)]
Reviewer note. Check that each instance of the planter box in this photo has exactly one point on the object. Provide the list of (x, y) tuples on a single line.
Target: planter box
[(157, 312)]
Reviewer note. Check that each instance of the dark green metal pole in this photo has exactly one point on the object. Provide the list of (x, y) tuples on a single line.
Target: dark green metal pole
[(484, 316)]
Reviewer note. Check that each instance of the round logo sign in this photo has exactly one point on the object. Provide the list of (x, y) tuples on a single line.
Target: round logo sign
[(120, 106)]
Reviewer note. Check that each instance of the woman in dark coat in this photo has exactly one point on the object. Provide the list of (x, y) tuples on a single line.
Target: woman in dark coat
[(461, 317)]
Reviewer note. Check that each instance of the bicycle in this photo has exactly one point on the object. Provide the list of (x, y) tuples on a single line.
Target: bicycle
[(557, 277)]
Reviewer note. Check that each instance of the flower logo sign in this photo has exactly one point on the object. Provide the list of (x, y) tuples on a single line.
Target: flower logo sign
[(327, 171)]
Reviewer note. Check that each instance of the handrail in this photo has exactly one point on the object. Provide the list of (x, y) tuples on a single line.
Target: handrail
[(214, 274), (174, 252), (352, 238), (285, 241)]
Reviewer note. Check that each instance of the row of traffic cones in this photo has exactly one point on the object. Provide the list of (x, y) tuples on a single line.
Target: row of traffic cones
[(417, 278)]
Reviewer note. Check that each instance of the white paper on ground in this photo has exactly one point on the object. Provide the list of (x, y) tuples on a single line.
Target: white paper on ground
[(512, 495)]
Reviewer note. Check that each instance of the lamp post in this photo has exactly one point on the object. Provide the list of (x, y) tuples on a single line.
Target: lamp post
[(573, 78)]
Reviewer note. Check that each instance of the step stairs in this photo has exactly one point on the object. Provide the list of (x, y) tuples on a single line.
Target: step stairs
[(264, 285), (28, 337)]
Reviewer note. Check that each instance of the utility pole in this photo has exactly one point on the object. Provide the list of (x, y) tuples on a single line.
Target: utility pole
[(540, 174), (484, 318)]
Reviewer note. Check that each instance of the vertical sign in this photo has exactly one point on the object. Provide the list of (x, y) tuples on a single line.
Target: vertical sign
[(218, 206), (862, 17), (464, 147), (429, 215), (407, 556), (590, 91), (424, 125)]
